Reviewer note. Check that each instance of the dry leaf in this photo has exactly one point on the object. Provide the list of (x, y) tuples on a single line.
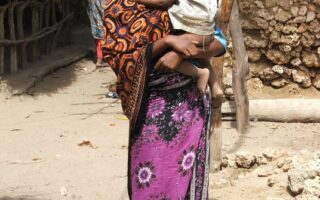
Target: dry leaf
[(87, 143)]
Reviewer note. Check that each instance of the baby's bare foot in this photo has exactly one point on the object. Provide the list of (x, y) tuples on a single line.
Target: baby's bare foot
[(216, 91), (203, 77)]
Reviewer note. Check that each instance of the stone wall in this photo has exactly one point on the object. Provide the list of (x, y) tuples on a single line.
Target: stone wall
[(283, 41)]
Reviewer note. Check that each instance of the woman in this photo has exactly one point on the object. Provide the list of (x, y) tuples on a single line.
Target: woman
[(95, 12), (169, 119)]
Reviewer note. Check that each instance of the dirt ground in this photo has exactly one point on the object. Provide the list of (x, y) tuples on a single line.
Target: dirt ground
[(40, 157)]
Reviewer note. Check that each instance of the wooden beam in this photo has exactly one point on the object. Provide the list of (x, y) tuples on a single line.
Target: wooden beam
[(240, 71), (2, 13), (279, 110), (222, 21)]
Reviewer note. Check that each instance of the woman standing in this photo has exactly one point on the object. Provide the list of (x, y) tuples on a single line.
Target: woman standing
[(95, 9), (169, 119)]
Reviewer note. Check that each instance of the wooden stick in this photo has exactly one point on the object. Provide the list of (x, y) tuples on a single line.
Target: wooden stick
[(240, 71), (43, 33), (35, 29), (47, 11), (216, 130), (53, 12), (13, 49), (20, 31), (2, 12)]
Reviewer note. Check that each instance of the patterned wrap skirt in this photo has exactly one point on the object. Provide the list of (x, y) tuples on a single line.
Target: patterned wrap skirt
[(169, 119)]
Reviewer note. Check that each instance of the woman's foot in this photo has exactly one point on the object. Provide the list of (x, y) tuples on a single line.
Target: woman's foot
[(203, 77), (100, 63)]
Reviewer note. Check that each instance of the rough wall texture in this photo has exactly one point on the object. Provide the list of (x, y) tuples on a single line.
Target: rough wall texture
[(283, 41)]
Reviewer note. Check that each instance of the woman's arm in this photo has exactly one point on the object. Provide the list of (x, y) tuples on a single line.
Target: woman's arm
[(214, 49), (170, 61), (179, 44), (156, 3)]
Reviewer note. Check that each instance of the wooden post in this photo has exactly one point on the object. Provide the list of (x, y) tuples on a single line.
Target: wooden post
[(2, 12), (47, 40), (240, 71), (13, 48), (53, 12), (20, 32), (41, 16), (217, 63), (47, 11), (35, 29)]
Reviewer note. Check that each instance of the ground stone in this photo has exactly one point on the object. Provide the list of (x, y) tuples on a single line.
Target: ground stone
[(296, 62), (274, 154), (228, 160), (306, 197), (254, 55), (303, 10), (245, 160), (310, 16), (255, 42), (296, 178), (265, 172), (316, 82), (268, 74), (272, 181), (299, 76), (312, 186), (278, 57), (255, 84), (282, 16), (279, 83), (310, 59), (261, 160), (314, 26)]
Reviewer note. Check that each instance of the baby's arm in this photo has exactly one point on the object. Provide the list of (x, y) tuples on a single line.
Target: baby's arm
[(157, 3)]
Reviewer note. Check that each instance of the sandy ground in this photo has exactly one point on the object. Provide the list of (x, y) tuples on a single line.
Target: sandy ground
[(40, 158)]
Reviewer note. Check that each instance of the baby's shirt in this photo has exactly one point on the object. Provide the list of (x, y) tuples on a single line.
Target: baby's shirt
[(194, 16)]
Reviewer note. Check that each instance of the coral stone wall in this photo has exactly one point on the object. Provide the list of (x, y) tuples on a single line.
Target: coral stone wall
[(283, 41)]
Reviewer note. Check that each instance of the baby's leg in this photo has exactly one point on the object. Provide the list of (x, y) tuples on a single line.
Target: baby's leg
[(202, 74), (216, 90)]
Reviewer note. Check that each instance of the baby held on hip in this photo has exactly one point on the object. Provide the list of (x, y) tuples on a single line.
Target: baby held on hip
[(196, 20)]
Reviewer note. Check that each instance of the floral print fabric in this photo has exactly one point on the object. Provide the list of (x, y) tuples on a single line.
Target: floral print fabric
[(172, 148)]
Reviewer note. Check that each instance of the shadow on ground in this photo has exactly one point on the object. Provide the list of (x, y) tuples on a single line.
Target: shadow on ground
[(48, 65), (18, 198)]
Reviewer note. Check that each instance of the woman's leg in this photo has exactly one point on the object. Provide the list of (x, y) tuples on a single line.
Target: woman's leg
[(99, 62)]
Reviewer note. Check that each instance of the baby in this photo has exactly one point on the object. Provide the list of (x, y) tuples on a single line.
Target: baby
[(194, 19)]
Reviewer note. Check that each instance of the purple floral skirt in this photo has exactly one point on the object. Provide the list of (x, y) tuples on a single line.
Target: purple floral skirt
[(169, 155)]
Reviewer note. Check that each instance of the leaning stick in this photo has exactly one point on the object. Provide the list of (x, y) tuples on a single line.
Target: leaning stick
[(216, 130)]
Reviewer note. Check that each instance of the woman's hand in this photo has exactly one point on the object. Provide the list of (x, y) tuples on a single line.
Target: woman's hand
[(183, 45), (169, 61)]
